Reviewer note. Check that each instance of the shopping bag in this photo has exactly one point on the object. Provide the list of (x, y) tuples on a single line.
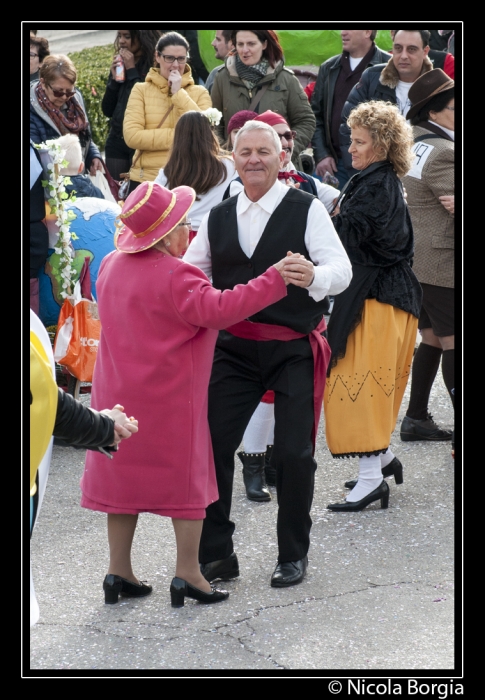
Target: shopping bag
[(78, 330), (100, 181)]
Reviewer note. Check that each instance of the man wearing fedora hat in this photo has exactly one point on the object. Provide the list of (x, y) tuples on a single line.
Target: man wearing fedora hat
[(389, 81), (237, 237), (430, 185)]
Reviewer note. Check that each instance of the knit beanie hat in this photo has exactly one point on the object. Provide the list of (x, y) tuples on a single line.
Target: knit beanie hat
[(238, 120)]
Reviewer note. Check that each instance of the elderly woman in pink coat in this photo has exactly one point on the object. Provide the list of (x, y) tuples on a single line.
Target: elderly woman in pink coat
[(160, 317)]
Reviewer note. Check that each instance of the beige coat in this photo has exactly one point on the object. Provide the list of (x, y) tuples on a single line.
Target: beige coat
[(148, 103), (431, 176)]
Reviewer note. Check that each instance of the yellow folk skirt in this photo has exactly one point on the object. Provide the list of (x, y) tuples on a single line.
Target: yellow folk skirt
[(364, 391)]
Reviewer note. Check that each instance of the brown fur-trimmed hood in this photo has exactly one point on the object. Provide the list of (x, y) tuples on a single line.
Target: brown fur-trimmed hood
[(390, 77)]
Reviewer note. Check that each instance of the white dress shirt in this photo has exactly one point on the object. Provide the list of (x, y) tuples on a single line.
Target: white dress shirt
[(333, 270), (325, 193)]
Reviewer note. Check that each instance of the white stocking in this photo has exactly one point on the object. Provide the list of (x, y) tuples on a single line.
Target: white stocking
[(260, 429), (386, 458), (370, 476)]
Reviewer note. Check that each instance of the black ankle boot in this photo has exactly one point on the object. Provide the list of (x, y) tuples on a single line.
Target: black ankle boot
[(269, 470), (253, 476)]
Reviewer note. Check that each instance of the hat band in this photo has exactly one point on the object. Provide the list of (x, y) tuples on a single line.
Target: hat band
[(140, 203), (159, 220), (143, 201)]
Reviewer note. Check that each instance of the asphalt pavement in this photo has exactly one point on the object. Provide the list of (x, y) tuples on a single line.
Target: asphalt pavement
[(378, 598)]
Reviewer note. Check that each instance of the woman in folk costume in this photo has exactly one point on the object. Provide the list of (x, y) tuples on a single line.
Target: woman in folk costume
[(372, 329)]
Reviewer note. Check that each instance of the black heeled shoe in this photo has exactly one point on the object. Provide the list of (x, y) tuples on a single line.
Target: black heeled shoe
[(180, 589), (380, 493), (114, 586), (394, 469)]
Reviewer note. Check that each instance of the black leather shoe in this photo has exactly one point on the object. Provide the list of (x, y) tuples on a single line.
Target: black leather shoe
[(394, 469), (253, 476), (413, 429), (289, 573), (269, 470), (114, 586), (180, 589), (221, 569), (380, 493)]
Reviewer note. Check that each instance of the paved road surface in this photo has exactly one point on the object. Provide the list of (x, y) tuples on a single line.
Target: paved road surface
[(378, 598)]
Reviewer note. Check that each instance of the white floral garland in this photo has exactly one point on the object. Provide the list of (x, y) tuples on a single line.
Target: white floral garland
[(213, 115), (57, 201)]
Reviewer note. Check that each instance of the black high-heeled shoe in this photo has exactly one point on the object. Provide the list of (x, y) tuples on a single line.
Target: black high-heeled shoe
[(380, 493), (180, 589), (394, 469), (114, 586)]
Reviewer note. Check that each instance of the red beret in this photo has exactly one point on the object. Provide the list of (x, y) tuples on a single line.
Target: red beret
[(271, 118)]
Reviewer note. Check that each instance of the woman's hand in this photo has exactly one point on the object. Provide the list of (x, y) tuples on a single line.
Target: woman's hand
[(298, 270), (128, 58), (280, 266), (174, 80), (96, 164), (124, 426), (448, 201), (335, 210)]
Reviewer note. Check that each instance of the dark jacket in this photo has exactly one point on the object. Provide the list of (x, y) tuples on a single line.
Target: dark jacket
[(375, 228), (76, 425), (39, 236), (43, 128), (377, 83), (83, 187), (114, 104), (284, 95), (322, 102)]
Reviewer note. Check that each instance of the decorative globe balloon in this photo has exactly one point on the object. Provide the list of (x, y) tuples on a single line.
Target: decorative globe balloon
[(92, 236)]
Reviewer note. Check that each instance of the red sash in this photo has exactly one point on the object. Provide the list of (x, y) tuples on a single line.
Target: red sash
[(320, 349)]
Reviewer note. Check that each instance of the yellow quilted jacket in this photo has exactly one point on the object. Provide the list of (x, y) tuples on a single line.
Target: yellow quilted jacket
[(148, 103)]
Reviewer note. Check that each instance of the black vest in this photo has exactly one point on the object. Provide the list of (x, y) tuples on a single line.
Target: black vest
[(307, 186), (284, 231)]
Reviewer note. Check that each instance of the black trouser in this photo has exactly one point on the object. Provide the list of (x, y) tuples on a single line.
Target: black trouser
[(243, 370)]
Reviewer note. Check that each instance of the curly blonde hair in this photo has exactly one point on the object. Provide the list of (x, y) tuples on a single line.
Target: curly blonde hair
[(392, 137)]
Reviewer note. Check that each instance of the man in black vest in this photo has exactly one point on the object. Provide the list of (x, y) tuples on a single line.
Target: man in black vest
[(237, 240)]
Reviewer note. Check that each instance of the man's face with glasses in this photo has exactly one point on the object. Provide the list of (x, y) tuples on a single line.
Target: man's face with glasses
[(287, 137), (172, 58)]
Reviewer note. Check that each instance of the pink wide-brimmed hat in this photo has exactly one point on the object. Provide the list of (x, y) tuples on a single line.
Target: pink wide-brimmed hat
[(149, 214)]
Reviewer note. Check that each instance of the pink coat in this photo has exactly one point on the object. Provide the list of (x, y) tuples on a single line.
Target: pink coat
[(160, 317)]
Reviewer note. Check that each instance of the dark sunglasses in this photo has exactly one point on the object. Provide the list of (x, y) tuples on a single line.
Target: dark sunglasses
[(289, 135), (61, 93)]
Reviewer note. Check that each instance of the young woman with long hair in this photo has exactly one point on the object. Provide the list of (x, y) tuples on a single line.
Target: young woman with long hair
[(197, 160)]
